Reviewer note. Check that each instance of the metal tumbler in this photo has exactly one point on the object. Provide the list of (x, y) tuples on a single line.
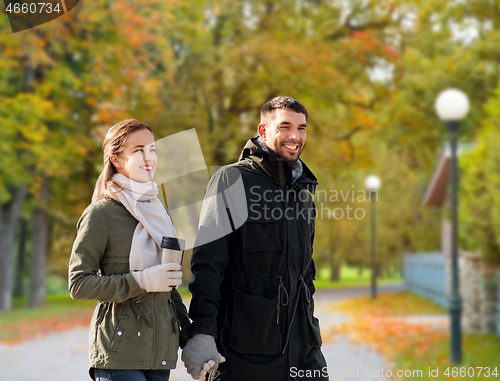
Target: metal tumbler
[(172, 250)]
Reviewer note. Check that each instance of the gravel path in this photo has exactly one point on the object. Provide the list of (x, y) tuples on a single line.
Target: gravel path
[(62, 356)]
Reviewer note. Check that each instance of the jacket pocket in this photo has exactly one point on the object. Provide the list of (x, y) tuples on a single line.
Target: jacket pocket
[(261, 258), (97, 319), (100, 312), (254, 329), (261, 236), (119, 326)]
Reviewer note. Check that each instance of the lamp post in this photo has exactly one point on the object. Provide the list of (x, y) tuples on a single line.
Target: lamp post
[(372, 183), (452, 106)]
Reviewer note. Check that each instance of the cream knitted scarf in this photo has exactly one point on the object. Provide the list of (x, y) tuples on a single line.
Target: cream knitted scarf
[(142, 202)]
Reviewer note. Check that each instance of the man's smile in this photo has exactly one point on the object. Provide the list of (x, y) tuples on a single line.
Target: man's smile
[(291, 147)]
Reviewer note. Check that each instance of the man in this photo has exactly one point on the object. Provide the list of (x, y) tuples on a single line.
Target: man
[(252, 262)]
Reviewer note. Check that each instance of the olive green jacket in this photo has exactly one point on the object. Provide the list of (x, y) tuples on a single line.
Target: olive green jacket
[(130, 328)]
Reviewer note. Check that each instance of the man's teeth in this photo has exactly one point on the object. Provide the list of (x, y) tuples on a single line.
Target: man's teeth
[(291, 147)]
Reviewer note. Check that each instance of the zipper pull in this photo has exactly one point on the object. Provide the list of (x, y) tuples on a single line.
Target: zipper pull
[(175, 322), (176, 325)]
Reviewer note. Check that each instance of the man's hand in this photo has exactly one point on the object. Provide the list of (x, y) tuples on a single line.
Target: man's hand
[(200, 356)]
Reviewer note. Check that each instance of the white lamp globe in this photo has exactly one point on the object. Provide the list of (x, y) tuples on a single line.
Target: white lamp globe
[(372, 182), (452, 105)]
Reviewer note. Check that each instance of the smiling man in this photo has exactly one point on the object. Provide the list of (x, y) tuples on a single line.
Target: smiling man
[(283, 131), (253, 288)]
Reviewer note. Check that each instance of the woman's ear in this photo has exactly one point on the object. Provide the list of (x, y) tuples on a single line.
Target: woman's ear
[(114, 160)]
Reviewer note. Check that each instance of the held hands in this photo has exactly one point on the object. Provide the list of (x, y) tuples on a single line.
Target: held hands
[(200, 356), (207, 367), (161, 278)]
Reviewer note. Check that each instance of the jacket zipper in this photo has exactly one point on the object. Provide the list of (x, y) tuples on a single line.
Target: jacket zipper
[(281, 175)]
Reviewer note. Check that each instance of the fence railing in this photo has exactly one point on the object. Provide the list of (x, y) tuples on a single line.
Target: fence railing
[(425, 275)]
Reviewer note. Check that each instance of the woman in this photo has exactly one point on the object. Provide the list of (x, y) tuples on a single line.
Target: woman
[(140, 319)]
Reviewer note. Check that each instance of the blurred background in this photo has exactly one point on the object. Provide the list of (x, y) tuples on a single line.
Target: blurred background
[(367, 71)]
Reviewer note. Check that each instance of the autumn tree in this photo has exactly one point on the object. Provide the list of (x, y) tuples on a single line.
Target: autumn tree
[(367, 71), (60, 83)]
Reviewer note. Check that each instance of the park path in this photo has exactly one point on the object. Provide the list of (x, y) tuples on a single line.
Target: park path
[(62, 356)]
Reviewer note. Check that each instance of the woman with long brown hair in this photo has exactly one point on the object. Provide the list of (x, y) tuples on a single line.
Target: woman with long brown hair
[(140, 319)]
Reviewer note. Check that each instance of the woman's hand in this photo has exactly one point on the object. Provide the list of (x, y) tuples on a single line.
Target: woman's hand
[(161, 278)]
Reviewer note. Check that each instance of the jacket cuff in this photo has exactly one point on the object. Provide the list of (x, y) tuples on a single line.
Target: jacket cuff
[(185, 336), (135, 288), (206, 328), (137, 277)]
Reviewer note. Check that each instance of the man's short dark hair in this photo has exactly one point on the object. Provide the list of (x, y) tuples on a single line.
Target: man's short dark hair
[(282, 103)]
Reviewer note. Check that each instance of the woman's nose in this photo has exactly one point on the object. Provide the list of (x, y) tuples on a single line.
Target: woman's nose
[(147, 156)]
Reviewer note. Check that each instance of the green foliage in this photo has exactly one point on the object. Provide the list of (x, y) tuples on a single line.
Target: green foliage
[(233, 56), (437, 53), (211, 64), (61, 86), (403, 224), (480, 188)]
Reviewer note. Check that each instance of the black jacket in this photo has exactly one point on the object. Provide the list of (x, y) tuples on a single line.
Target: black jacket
[(253, 270)]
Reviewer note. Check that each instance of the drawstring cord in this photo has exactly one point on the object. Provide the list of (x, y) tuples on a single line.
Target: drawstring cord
[(140, 315), (176, 324), (307, 292), (282, 298), (307, 295)]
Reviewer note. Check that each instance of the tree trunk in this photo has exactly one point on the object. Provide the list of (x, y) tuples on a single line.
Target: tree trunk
[(335, 272), (9, 214), (378, 270), (20, 260), (39, 240), (334, 260)]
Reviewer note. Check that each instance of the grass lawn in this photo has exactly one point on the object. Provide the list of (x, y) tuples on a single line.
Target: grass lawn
[(349, 277), (412, 346), (479, 351), (59, 313)]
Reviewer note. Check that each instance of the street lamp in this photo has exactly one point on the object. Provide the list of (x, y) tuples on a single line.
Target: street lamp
[(452, 106), (372, 183)]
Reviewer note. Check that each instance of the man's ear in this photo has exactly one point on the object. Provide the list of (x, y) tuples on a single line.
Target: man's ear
[(262, 131)]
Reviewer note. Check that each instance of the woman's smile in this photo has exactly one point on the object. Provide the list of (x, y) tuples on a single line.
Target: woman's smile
[(138, 159)]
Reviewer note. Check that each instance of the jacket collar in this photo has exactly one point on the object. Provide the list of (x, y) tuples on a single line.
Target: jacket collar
[(277, 168)]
